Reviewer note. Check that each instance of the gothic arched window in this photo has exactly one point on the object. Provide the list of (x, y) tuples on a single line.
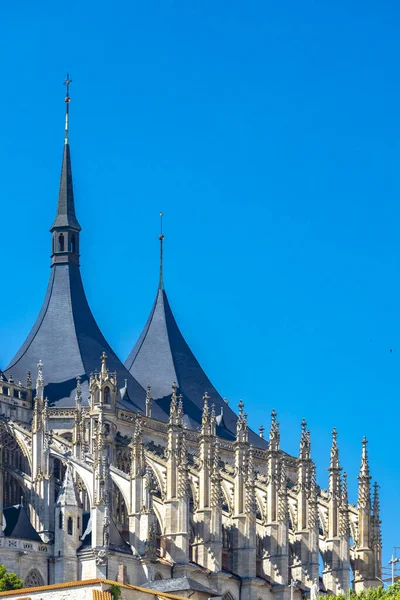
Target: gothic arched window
[(61, 242), (72, 245), (107, 395), (60, 520), (33, 579), (70, 526)]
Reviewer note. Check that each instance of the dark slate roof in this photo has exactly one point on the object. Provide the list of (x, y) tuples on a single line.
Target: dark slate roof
[(178, 584), (69, 342), (161, 356), (116, 541), (66, 216), (18, 524)]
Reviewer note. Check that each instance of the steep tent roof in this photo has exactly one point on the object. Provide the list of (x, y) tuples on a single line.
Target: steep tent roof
[(18, 524), (161, 356), (66, 337)]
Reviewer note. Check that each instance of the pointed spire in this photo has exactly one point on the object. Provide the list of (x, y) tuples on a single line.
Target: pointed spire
[(274, 434), (205, 420), (364, 478), (68, 495), (66, 216), (305, 444), (334, 469), (242, 432), (161, 238)]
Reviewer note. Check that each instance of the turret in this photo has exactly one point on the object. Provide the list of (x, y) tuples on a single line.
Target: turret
[(243, 523), (175, 542), (305, 556), (366, 569), (274, 562), (65, 229), (68, 530), (42, 477), (208, 545)]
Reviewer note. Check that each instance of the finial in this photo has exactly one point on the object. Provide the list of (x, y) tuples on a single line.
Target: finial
[(67, 100), (261, 429), (241, 406), (39, 381), (29, 380), (364, 469), (148, 401), (78, 395), (161, 238), (104, 365), (274, 435)]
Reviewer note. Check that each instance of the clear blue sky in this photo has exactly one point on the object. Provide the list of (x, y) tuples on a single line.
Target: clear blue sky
[(268, 133)]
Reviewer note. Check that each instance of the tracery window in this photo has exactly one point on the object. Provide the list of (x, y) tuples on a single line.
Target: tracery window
[(33, 579)]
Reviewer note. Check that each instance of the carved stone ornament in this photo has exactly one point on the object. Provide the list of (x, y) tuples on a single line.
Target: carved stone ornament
[(101, 556)]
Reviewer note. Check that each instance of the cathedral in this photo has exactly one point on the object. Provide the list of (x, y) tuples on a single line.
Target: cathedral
[(140, 472)]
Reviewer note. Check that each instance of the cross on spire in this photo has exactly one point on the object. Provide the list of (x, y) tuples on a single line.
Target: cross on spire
[(161, 238), (67, 100)]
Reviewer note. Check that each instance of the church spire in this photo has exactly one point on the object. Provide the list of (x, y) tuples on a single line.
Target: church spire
[(161, 238), (66, 227)]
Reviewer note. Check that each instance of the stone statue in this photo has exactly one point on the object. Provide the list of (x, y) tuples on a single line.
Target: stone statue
[(314, 590)]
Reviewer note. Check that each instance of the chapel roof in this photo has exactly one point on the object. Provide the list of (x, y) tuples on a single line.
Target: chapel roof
[(18, 524), (65, 336), (161, 356)]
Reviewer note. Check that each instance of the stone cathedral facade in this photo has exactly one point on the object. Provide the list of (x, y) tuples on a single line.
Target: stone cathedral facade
[(141, 471)]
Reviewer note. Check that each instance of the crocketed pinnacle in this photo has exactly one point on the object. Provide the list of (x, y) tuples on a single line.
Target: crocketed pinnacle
[(68, 495), (274, 434), (305, 443), (334, 468), (364, 479)]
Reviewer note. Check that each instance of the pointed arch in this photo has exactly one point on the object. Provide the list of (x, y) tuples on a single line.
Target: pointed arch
[(33, 579)]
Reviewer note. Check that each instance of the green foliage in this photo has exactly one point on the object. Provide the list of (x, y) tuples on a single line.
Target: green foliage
[(379, 593), (9, 581), (115, 592)]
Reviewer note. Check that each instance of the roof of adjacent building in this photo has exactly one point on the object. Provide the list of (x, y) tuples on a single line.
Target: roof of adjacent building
[(161, 356), (18, 524), (85, 583)]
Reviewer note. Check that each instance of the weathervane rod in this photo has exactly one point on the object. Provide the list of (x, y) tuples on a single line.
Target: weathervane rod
[(67, 100), (161, 238)]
